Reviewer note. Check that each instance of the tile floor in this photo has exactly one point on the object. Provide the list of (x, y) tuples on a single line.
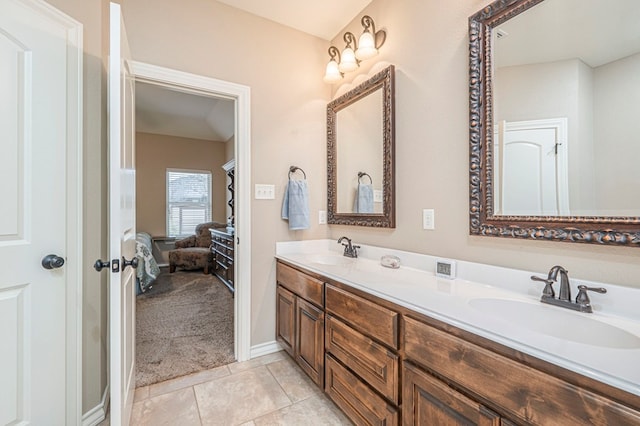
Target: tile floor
[(269, 390)]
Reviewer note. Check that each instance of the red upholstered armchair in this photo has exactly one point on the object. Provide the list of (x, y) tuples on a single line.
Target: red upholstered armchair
[(194, 252)]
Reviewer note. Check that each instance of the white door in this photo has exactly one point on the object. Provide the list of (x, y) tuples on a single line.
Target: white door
[(532, 172), (122, 199), (40, 59)]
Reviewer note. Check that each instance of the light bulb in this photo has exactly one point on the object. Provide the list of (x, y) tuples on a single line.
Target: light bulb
[(332, 73), (348, 62), (366, 46)]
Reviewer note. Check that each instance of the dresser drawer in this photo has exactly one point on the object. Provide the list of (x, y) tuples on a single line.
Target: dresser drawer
[(373, 362), (528, 395), (301, 284), (362, 405), (363, 315)]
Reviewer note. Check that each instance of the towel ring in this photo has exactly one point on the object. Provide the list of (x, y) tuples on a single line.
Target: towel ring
[(293, 169), (361, 174)]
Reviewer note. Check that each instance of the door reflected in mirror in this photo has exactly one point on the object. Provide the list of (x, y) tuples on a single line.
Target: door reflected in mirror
[(566, 95), (360, 154)]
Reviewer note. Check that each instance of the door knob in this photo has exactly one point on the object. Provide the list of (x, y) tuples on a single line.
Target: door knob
[(51, 261), (133, 263), (100, 264)]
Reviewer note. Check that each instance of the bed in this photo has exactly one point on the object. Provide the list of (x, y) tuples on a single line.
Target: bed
[(148, 269)]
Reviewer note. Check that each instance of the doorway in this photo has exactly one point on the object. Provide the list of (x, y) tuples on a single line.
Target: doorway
[(240, 96)]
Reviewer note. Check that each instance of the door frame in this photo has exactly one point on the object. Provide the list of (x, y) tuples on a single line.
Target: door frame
[(241, 94)]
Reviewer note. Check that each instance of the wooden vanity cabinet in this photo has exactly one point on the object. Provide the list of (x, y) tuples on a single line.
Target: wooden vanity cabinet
[(446, 375), (300, 319), (362, 363)]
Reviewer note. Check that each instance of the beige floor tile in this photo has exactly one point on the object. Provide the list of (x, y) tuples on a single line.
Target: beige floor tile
[(141, 394), (314, 411), (238, 398), (187, 381), (175, 408), (256, 362), (297, 385)]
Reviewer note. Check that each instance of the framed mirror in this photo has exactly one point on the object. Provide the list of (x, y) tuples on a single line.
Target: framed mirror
[(554, 93), (360, 154)]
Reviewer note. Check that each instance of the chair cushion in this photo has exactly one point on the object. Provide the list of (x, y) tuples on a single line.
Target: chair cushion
[(191, 257)]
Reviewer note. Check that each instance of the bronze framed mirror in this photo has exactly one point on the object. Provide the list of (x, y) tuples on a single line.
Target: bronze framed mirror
[(554, 94), (360, 154)]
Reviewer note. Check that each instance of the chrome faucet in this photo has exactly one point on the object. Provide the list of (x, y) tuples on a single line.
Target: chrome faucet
[(349, 249), (582, 303)]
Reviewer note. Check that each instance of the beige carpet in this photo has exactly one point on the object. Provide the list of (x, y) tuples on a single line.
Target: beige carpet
[(184, 324)]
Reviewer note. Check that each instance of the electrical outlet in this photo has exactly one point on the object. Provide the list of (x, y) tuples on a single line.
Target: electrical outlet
[(428, 219), (377, 195), (322, 217), (265, 192)]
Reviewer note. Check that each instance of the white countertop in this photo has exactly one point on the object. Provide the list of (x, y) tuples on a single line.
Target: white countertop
[(614, 360)]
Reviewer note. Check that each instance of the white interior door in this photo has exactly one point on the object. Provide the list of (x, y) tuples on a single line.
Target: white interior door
[(39, 117), (532, 168), (122, 199)]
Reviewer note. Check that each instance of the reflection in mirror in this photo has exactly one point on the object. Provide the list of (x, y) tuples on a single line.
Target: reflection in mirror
[(555, 87), (360, 145), (359, 127)]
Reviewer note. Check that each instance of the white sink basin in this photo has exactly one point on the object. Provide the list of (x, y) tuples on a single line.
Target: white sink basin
[(331, 259), (557, 322)]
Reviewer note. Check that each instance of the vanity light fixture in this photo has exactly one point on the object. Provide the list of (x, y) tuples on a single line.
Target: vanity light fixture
[(354, 52)]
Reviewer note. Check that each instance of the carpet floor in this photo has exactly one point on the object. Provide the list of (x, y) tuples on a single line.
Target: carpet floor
[(184, 324)]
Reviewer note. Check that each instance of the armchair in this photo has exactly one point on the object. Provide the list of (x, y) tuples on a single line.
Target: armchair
[(194, 252)]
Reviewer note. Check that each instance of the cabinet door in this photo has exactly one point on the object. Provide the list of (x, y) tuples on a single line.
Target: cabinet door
[(310, 340), (285, 318), (429, 401)]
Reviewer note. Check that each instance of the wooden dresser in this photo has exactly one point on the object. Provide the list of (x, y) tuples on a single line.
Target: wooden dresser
[(222, 249)]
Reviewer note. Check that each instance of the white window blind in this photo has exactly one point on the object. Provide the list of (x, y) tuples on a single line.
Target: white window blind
[(188, 201)]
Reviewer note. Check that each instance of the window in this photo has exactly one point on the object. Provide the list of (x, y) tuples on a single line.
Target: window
[(188, 201)]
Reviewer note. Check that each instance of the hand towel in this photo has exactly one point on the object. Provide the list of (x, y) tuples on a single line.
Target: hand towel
[(364, 198), (295, 206)]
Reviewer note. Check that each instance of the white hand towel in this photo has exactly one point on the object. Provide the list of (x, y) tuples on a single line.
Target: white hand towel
[(364, 199), (295, 206)]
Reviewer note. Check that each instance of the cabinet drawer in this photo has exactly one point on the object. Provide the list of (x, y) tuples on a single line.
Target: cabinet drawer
[(528, 395), (362, 405), (363, 315), (301, 284), (373, 362)]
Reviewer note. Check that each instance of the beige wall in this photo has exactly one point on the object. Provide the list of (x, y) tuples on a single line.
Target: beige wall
[(157, 153), (428, 42)]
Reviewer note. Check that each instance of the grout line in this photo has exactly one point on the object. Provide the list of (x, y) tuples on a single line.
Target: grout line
[(193, 389)]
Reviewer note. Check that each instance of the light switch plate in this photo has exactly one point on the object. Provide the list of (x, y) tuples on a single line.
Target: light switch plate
[(428, 219), (322, 217), (265, 192)]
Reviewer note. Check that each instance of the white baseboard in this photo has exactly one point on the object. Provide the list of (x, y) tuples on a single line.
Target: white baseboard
[(98, 413), (265, 349)]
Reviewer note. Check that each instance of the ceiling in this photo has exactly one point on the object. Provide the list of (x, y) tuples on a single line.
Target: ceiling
[(162, 111), (322, 19)]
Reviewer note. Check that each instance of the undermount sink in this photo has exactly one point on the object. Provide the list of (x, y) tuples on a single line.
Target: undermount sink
[(554, 321), (331, 259)]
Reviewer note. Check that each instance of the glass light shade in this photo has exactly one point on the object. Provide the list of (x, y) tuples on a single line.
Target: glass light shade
[(332, 73), (366, 46), (348, 61)]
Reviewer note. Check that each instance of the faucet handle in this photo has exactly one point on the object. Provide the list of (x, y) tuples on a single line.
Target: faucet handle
[(548, 289), (583, 298)]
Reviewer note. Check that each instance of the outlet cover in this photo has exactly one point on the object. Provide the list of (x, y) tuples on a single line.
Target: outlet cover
[(428, 219), (377, 195), (265, 192)]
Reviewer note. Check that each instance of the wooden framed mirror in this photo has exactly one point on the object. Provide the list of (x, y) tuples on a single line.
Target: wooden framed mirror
[(360, 154), (554, 95)]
